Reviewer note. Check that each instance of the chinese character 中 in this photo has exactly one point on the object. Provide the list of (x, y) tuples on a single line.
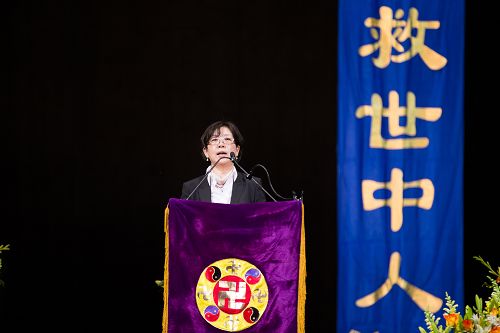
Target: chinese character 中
[(397, 201)]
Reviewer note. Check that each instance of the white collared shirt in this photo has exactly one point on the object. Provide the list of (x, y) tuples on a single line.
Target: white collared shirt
[(221, 194)]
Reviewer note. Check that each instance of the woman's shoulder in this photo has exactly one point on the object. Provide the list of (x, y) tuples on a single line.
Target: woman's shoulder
[(189, 186)]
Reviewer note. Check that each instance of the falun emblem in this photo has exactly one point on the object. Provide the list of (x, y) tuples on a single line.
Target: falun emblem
[(232, 294)]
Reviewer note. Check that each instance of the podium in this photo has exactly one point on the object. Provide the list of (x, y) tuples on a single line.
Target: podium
[(236, 267)]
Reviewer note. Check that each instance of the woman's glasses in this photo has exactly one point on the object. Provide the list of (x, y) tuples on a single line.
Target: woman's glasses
[(225, 140)]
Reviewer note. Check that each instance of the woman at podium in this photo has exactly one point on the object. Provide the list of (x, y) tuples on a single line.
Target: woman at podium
[(221, 143)]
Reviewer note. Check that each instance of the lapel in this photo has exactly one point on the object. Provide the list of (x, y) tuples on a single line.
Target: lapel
[(204, 192), (237, 189)]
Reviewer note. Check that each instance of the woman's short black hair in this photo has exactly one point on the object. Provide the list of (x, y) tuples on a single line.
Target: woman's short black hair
[(214, 130)]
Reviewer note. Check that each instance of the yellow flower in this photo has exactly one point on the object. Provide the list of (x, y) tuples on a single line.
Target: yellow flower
[(451, 319)]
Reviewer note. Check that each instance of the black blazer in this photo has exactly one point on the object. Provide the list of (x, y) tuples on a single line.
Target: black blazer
[(244, 190)]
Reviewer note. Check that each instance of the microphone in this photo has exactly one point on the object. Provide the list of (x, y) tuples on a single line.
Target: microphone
[(233, 159), (208, 172)]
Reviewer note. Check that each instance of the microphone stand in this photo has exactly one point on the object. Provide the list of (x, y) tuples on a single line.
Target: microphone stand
[(248, 176), (206, 175)]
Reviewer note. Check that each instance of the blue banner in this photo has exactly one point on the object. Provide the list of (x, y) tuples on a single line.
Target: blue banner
[(400, 162)]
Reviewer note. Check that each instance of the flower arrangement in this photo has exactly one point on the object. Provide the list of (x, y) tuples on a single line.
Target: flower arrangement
[(481, 318), (3, 248)]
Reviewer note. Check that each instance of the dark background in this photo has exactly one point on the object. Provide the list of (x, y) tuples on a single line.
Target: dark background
[(101, 114)]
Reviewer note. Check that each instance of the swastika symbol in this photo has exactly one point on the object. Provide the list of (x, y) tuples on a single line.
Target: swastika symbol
[(232, 295)]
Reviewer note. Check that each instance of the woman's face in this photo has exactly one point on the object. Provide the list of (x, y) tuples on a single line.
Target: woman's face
[(221, 145)]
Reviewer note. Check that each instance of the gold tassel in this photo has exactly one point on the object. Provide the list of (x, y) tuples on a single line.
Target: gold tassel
[(301, 306), (165, 277)]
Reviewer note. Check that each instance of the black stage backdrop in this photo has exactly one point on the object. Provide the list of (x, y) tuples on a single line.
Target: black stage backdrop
[(104, 105)]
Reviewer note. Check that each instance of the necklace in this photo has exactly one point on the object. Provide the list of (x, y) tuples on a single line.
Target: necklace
[(221, 181), (220, 186)]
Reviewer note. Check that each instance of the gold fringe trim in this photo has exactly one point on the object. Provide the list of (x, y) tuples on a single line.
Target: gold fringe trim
[(301, 306), (165, 277)]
